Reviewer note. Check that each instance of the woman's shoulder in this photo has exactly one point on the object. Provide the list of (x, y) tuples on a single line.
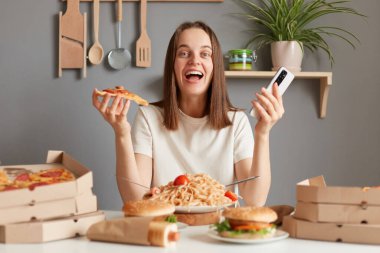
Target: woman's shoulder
[(237, 115), (151, 109)]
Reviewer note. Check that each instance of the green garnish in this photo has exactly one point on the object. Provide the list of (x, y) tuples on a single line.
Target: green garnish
[(171, 219), (223, 226)]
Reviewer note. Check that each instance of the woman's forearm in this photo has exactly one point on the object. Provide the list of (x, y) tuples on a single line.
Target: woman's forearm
[(129, 180), (256, 192)]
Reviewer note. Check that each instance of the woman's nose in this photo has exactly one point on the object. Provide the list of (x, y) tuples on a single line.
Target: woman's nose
[(195, 60)]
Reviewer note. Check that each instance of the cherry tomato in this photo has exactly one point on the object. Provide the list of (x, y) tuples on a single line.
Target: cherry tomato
[(181, 180), (232, 196)]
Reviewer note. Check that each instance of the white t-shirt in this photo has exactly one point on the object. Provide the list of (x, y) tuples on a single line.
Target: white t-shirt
[(194, 147)]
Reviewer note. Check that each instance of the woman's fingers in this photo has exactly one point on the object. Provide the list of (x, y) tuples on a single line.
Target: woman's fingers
[(115, 104), (104, 103), (277, 95), (266, 102), (260, 110), (95, 101), (126, 107)]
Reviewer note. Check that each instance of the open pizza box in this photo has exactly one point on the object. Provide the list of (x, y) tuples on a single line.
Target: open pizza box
[(44, 231), (81, 204), (353, 233), (315, 190), (83, 182)]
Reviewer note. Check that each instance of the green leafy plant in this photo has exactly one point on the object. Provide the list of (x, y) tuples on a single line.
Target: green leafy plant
[(290, 20)]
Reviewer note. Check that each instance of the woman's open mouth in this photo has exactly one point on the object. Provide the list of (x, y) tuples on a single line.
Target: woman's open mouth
[(194, 75)]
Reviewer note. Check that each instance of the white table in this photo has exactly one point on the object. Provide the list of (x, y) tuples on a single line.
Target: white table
[(193, 240)]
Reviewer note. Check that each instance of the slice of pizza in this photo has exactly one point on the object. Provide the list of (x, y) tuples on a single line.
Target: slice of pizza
[(125, 93), (23, 180), (43, 177), (54, 175), (4, 180)]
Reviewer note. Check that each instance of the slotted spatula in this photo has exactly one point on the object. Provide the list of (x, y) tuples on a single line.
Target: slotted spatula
[(143, 44)]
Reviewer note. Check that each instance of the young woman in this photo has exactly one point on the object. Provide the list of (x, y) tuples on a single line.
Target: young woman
[(194, 129)]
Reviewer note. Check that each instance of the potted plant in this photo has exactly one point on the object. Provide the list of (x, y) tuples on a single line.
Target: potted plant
[(287, 26)]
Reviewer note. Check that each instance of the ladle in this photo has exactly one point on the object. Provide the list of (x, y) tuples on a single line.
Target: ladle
[(119, 58), (95, 55)]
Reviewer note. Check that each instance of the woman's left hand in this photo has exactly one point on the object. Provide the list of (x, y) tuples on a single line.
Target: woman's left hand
[(269, 109)]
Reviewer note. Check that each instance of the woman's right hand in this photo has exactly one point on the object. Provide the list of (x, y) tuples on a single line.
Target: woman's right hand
[(115, 114)]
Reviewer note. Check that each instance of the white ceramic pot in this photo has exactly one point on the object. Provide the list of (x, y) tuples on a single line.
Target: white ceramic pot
[(286, 54)]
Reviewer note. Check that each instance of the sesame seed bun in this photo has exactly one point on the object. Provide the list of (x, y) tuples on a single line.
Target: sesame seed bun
[(251, 213), (147, 208)]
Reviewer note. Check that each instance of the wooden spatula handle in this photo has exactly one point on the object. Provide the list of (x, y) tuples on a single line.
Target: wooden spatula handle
[(96, 20), (143, 15), (119, 15), (73, 7)]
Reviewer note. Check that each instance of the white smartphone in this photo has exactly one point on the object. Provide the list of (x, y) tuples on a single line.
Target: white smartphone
[(283, 78)]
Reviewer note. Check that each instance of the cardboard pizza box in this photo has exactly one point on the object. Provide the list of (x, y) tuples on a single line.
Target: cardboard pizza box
[(352, 233), (315, 190), (337, 213), (45, 231), (83, 182), (84, 203)]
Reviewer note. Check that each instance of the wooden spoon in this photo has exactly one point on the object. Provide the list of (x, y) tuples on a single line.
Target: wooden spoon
[(95, 55)]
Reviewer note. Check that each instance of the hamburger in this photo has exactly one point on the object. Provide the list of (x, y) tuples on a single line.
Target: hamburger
[(247, 223), (148, 208)]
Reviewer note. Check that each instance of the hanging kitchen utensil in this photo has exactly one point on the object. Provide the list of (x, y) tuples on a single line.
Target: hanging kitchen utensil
[(72, 39), (119, 58), (95, 55), (143, 44)]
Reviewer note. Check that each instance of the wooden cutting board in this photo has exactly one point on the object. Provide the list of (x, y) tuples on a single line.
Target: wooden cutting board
[(72, 39), (198, 219)]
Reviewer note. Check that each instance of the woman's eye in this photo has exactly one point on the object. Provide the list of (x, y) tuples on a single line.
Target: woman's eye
[(183, 54), (206, 54)]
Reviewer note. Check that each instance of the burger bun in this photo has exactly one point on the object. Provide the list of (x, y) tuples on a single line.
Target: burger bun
[(147, 208), (251, 213)]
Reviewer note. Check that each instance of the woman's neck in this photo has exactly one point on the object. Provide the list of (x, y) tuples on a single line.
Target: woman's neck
[(194, 107)]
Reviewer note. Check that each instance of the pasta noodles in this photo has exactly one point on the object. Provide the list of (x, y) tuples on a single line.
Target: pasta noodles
[(201, 190)]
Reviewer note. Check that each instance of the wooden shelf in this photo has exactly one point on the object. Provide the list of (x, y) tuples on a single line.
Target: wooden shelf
[(325, 82), (198, 1)]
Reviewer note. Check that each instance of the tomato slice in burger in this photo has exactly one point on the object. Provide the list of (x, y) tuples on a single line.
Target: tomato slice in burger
[(253, 226), (181, 180), (232, 196)]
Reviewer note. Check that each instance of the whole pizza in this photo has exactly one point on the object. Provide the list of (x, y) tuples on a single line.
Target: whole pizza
[(33, 179)]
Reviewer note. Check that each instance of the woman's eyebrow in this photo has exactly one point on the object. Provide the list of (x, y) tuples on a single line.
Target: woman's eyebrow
[(184, 45)]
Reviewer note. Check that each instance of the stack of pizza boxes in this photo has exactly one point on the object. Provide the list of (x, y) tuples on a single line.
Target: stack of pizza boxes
[(331, 213), (49, 212)]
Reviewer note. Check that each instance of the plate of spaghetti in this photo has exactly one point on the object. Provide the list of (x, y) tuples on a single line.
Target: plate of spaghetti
[(194, 193)]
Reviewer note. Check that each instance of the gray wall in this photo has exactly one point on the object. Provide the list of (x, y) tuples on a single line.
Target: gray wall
[(39, 111)]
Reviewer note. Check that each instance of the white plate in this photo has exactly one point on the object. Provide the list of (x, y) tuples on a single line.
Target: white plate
[(279, 235), (199, 209), (181, 225)]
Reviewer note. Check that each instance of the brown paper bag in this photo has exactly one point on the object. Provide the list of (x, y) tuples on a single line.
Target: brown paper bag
[(134, 230)]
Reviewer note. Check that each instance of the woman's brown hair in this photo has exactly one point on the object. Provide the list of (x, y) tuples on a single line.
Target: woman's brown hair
[(218, 103)]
